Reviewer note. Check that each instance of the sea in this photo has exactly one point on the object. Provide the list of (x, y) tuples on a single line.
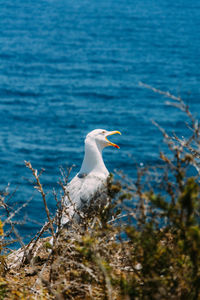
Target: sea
[(70, 66)]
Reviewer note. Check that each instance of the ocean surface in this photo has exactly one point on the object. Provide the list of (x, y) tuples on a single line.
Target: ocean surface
[(68, 67)]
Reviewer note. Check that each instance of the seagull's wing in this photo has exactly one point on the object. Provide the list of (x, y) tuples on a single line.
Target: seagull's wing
[(82, 193)]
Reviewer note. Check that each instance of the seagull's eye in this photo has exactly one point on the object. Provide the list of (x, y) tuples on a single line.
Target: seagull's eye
[(103, 132)]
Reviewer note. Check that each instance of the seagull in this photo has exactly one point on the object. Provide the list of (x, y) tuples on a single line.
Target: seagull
[(87, 188)]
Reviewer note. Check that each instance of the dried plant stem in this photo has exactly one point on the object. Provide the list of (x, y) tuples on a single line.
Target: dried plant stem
[(158, 91), (40, 189)]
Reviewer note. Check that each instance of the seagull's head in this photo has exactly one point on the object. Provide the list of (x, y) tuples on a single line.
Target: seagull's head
[(100, 137)]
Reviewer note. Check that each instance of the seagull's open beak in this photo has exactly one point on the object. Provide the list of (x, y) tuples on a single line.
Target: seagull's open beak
[(110, 143)]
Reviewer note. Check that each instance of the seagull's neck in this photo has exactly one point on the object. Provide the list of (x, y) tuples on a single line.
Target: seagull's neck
[(93, 160)]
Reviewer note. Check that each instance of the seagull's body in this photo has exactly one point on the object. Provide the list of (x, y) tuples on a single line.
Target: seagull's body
[(89, 187)]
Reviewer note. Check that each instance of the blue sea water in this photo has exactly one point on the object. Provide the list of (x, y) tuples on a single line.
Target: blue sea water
[(68, 67)]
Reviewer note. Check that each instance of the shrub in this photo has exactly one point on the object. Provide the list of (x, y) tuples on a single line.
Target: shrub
[(144, 245)]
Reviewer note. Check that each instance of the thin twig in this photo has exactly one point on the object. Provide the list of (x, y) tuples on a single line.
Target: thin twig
[(40, 189)]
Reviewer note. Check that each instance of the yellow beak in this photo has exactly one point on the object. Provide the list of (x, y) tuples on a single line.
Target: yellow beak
[(110, 143)]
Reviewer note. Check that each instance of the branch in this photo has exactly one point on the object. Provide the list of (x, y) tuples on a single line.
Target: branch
[(40, 189)]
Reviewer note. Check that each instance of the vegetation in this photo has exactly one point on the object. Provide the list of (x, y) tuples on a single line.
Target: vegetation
[(145, 244)]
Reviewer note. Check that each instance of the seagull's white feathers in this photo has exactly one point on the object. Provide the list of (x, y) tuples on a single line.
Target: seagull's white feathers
[(80, 196), (87, 191)]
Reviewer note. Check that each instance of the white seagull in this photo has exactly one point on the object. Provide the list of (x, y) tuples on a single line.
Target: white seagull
[(87, 187)]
